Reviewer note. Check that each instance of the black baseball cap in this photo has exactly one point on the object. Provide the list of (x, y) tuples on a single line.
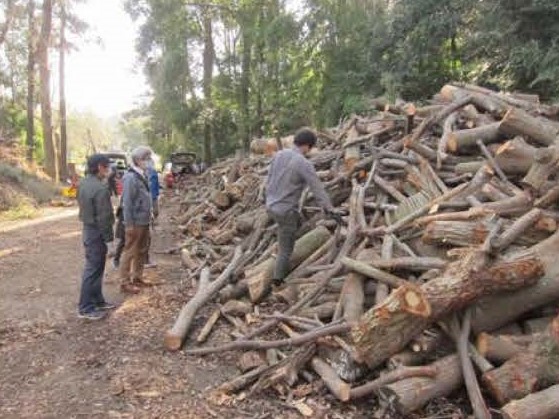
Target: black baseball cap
[(95, 160)]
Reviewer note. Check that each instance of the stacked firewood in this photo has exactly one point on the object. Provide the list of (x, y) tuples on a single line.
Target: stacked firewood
[(444, 274)]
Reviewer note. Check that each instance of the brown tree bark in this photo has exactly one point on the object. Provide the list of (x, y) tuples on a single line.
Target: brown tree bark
[(30, 132), (501, 348), (545, 164), (387, 328), (413, 393), (206, 290), (62, 93), (208, 63), (457, 233), (51, 160), (518, 122), (529, 371), (541, 405), (495, 311), (466, 139)]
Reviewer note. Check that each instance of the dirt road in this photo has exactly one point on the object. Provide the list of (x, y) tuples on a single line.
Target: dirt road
[(53, 364)]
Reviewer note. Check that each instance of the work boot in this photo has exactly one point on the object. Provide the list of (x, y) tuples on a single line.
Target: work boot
[(129, 288)]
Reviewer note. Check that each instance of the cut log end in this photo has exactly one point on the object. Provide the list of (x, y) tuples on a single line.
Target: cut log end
[(415, 303), (172, 342)]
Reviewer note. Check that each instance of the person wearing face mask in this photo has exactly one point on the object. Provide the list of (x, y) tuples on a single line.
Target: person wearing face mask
[(137, 213), (96, 214)]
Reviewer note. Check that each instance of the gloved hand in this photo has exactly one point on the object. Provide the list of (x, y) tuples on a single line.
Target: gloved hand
[(335, 215)]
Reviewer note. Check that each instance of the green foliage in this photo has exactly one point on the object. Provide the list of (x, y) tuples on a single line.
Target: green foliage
[(280, 67)]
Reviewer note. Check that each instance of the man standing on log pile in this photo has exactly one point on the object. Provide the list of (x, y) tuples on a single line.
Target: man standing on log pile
[(137, 212), (96, 214), (288, 175)]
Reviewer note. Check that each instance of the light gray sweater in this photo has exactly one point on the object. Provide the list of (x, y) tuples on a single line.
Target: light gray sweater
[(288, 175)]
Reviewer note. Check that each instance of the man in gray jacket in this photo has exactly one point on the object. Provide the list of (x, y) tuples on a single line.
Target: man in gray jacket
[(137, 211), (96, 214), (288, 175)]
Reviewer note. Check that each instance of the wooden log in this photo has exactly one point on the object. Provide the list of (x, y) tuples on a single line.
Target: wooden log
[(259, 284), (541, 405), (250, 360), (187, 261), (387, 328), (410, 263), (472, 213), (353, 292), (519, 122), (528, 371), (372, 272), (457, 233), (206, 290), (448, 127), (537, 325), (461, 336), (391, 377), (323, 311), (386, 253), (242, 381), (335, 384), (500, 348), (466, 139), (518, 228), (517, 204), (493, 312), (220, 199), (515, 156), (411, 394), (207, 329), (545, 163)]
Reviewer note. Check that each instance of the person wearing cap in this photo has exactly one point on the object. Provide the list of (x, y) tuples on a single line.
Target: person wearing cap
[(137, 213), (289, 173), (96, 214)]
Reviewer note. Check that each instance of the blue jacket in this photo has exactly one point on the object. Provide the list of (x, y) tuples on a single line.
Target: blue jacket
[(153, 183)]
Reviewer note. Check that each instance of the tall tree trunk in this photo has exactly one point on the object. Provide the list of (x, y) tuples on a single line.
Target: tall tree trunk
[(30, 139), (62, 92), (208, 70), (245, 85), (9, 16), (51, 165)]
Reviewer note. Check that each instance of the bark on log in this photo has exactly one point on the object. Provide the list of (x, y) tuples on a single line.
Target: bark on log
[(206, 290), (372, 272), (530, 370), (207, 329), (259, 284), (546, 163), (353, 292), (501, 348), (457, 233), (413, 393), (541, 405), (335, 384), (220, 199), (466, 139), (391, 377), (518, 228), (387, 328), (493, 312), (518, 122)]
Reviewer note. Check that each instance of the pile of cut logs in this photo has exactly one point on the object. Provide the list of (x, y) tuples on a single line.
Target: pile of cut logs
[(444, 274)]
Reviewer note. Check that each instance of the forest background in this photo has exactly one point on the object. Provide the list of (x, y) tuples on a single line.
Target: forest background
[(220, 73)]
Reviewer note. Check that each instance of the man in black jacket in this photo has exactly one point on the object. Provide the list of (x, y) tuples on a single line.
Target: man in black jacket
[(96, 214)]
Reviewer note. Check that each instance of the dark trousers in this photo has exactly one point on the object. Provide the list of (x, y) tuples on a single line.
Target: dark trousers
[(288, 224), (91, 293)]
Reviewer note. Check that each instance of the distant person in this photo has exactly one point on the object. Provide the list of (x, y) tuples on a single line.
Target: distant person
[(112, 180), (137, 213), (153, 178), (96, 214), (288, 175)]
